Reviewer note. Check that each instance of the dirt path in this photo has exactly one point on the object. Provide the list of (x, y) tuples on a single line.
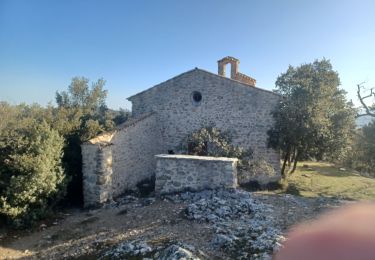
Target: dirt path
[(84, 233)]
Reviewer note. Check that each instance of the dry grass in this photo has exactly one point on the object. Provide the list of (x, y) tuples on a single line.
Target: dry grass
[(326, 180)]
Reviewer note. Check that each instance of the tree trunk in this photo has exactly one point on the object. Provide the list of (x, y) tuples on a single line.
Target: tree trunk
[(283, 175), (289, 161), (296, 153), (293, 155)]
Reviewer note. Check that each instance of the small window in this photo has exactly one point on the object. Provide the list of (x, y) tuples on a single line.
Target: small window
[(197, 97)]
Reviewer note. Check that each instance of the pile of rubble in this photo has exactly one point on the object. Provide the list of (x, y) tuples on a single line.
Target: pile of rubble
[(244, 228), (138, 249)]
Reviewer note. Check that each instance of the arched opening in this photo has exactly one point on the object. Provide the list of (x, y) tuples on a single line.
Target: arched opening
[(228, 70), (223, 68)]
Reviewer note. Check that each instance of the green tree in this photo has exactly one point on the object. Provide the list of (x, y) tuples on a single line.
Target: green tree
[(362, 155), (367, 147), (31, 176), (80, 95), (121, 116), (313, 118), (81, 115), (77, 116)]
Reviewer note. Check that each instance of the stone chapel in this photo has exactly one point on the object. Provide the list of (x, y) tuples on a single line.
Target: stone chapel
[(163, 115)]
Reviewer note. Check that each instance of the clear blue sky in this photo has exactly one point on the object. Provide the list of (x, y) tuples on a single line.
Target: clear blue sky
[(136, 44)]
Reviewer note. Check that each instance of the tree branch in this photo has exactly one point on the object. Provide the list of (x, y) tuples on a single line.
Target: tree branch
[(369, 111)]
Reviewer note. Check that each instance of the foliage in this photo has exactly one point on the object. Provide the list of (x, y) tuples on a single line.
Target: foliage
[(313, 118), (81, 115), (362, 155), (252, 168), (210, 141), (40, 152), (79, 95), (31, 176), (82, 109), (121, 116)]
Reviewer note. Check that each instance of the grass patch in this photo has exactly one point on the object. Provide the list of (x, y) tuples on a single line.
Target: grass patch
[(327, 180)]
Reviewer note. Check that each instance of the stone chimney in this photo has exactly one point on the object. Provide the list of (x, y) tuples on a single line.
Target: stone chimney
[(234, 73)]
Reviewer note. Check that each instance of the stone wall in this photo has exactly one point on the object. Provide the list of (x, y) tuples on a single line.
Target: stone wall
[(232, 106), (176, 173), (97, 173), (117, 161), (134, 152)]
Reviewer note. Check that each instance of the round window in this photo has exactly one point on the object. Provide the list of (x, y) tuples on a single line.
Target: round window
[(196, 96)]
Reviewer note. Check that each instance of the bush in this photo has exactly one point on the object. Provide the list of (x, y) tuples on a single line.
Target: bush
[(210, 141), (361, 157), (249, 169), (31, 177)]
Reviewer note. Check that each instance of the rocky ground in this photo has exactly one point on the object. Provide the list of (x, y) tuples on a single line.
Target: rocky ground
[(221, 224)]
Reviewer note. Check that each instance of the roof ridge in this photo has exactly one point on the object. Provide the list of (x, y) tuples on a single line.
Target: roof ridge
[(107, 136), (238, 81), (133, 121), (154, 86), (211, 73)]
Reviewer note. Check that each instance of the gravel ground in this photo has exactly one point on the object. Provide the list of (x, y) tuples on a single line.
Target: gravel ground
[(221, 224)]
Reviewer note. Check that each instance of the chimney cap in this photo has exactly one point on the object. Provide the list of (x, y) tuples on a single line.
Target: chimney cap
[(229, 58)]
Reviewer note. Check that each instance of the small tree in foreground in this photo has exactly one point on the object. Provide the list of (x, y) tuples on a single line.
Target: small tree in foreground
[(31, 176)]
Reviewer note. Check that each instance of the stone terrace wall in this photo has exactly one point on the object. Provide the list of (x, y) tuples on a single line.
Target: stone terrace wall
[(117, 161), (176, 173)]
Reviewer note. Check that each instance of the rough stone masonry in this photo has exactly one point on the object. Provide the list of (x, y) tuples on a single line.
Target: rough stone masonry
[(178, 173), (162, 117)]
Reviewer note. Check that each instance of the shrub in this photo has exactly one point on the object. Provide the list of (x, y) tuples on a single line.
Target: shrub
[(361, 157), (210, 141), (251, 168), (31, 177)]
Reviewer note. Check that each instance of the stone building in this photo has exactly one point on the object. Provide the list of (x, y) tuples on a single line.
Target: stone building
[(163, 115)]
